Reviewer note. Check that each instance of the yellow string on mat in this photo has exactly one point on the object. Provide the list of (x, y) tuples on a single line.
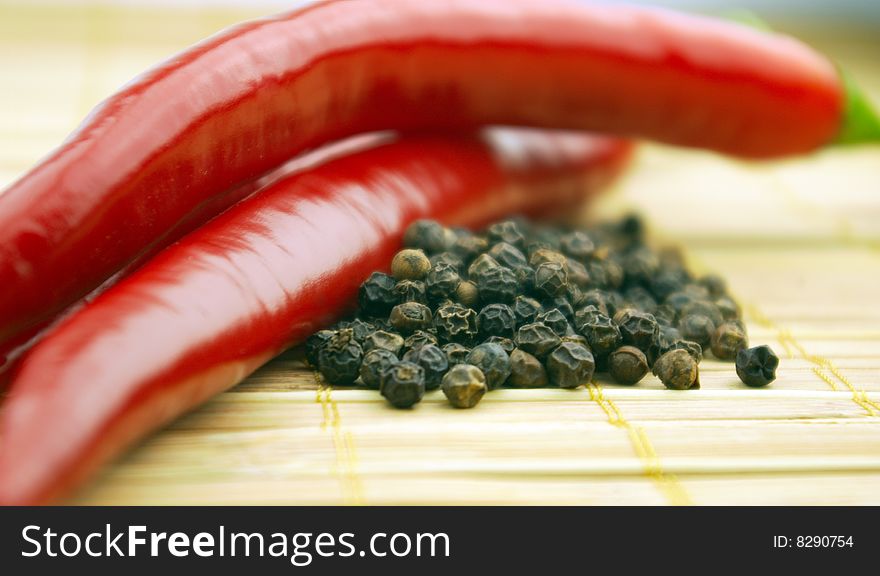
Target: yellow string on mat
[(821, 364), (346, 468), (668, 484)]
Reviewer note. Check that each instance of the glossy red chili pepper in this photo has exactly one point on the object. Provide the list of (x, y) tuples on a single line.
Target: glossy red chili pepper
[(209, 310), (240, 103)]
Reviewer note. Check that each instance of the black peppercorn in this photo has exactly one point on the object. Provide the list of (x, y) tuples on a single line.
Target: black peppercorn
[(432, 360), (577, 244), (728, 308), (382, 340), (410, 316), (418, 339), (508, 255), (586, 315), (603, 335), (627, 365), (508, 231), (545, 256), (638, 329), (597, 298), (448, 259), (506, 343), (692, 348), (314, 343), (467, 294), (496, 320), (468, 246), (464, 386), (455, 353), (705, 308), (411, 291), (555, 320), (497, 284), (442, 282), (697, 328), (727, 340), (481, 265), (665, 315), (376, 295), (340, 358), (569, 365), (640, 265), (578, 276), (638, 297), (493, 361), (715, 284), (577, 339), (526, 371), (536, 339), (410, 264), (375, 363), (551, 279), (756, 366), (426, 235), (403, 384), (677, 370), (525, 309), (360, 329), (455, 323)]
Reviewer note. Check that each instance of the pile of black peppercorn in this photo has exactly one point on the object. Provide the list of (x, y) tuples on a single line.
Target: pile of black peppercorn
[(530, 305)]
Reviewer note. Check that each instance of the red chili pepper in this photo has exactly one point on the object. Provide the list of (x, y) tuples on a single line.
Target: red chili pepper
[(238, 104), (209, 310)]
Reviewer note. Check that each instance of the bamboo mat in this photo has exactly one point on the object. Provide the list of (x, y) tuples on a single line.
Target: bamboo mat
[(798, 241)]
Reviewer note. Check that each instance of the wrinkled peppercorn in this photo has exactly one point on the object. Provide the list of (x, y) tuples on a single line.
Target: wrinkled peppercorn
[(339, 359), (597, 298), (432, 360), (603, 335), (467, 294), (506, 343), (410, 316), (577, 244), (577, 339), (481, 265), (697, 328), (727, 340), (455, 323), (526, 371), (569, 365), (578, 277), (677, 370), (464, 386), (525, 309), (418, 339), (715, 284), (376, 295), (447, 259), (509, 256), (728, 308), (704, 307), (374, 364), (314, 343), (403, 384), (426, 235), (360, 329), (497, 284), (411, 291), (756, 366), (638, 329), (455, 353), (536, 339), (493, 361), (508, 231), (410, 264), (627, 365), (545, 256), (382, 340), (442, 282), (692, 348), (496, 320), (555, 320), (468, 246), (551, 279)]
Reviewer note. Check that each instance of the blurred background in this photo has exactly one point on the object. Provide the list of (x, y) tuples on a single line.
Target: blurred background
[(798, 241)]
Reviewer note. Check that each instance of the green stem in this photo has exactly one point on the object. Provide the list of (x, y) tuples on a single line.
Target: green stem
[(860, 121)]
